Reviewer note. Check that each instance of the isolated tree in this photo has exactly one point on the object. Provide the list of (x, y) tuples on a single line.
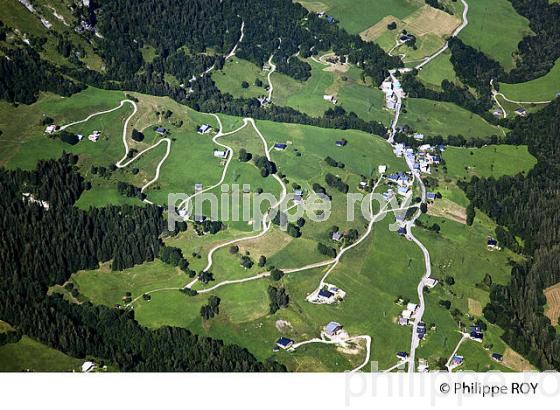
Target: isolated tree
[(137, 135), (470, 214)]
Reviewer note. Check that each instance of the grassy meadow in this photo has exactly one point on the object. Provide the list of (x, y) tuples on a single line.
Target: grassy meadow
[(543, 88), (357, 15), (30, 355), (496, 29), (438, 70), (444, 118)]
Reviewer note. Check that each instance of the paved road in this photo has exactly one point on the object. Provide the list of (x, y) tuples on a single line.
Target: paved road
[(464, 24), (409, 225)]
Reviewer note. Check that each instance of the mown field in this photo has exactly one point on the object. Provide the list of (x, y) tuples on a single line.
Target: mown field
[(357, 15), (30, 355), (353, 93), (236, 71), (438, 70), (443, 118), (544, 88), (489, 161), (459, 251)]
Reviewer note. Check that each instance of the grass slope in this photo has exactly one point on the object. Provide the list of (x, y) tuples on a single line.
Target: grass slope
[(357, 15), (489, 161), (444, 118), (544, 88), (496, 29), (438, 70), (30, 355)]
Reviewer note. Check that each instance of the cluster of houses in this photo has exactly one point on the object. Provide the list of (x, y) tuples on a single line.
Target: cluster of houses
[(425, 158), (93, 137), (327, 295), (332, 331), (392, 90), (521, 112), (403, 182)]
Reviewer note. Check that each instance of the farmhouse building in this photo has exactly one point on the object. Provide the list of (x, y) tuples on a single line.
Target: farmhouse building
[(161, 131), (336, 236), (221, 154), (333, 328), (402, 355), (431, 282), (51, 129), (280, 146), (284, 343), (497, 357), (204, 128)]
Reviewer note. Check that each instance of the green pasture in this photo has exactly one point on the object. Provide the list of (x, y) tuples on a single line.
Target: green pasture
[(544, 88), (444, 118), (496, 29)]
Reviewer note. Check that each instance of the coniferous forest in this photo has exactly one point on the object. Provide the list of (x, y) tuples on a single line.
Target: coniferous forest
[(527, 207), (38, 250)]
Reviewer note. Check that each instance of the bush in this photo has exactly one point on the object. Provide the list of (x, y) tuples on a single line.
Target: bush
[(137, 135), (276, 274)]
